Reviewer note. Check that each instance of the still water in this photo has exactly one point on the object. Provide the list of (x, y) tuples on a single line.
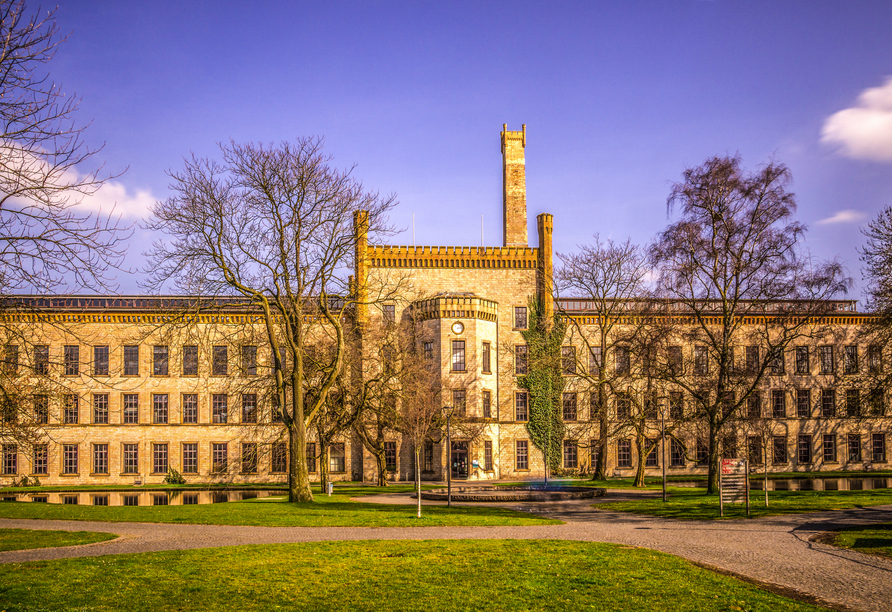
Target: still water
[(808, 484), (154, 497)]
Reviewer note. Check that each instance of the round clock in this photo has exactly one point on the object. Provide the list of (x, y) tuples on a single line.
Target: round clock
[(458, 327)]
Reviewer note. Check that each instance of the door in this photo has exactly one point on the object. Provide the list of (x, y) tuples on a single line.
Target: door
[(460, 460)]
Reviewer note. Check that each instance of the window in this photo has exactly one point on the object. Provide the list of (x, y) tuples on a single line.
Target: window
[(131, 458), (190, 360), (520, 317), (190, 499), (701, 452), (595, 360), (651, 455), (278, 417), (676, 405), (803, 403), (594, 453), (100, 408), (190, 458), (569, 406), (159, 458), (100, 458), (249, 360), (279, 459), (190, 408), (389, 314), (487, 405), (676, 453), (623, 453), (100, 361), (521, 406), (571, 455), (428, 350), (568, 360), (11, 363), (388, 355), (804, 449), (71, 356), (676, 361), (776, 363), (802, 360), (131, 500), (159, 499), (458, 355), (778, 404), (459, 401), (850, 359), (828, 445), (877, 402), (219, 407), (729, 447), (41, 359), (752, 359), (878, 447), (159, 408), (650, 405), (249, 408), (249, 458), (486, 358), (623, 406), (875, 359), (828, 403), (41, 409), (69, 458), (701, 361), (219, 457), (623, 360), (131, 361), (69, 500), (754, 450), (311, 457), (853, 402), (853, 442), (220, 361), (754, 406), (826, 354), (390, 456), (41, 458), (521, 456), (428, 456), (779, 446), (100, 500), (337, 459), (70, 410), (728, 402), (520, 359), (160, 360), (10, 459)]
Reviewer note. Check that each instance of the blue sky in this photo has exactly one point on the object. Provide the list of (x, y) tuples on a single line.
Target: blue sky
[(618, 98)]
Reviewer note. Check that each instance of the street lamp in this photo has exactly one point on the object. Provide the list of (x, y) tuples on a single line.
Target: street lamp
[(663, 442), (449, 410)]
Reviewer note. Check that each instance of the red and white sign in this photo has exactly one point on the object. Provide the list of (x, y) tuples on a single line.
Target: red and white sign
[(733, 467)]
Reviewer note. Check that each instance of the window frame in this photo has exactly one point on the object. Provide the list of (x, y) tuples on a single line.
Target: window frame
[(160, 360), (521, 455), (130, 359)]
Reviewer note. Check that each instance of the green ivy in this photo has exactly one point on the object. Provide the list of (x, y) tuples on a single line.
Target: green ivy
[(544, 383)]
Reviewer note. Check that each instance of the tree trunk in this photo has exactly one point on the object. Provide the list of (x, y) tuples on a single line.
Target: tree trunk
[(601, 468), (418, 477), (298, 476), (642, 459), (382, 468), (323, 464), (712, 484)]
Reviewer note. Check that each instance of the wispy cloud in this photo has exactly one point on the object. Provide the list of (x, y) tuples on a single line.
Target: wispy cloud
[(114, 198), (865, 130), (843, 216)]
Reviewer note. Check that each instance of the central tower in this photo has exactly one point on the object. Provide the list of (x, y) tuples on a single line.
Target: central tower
[(514, 187)]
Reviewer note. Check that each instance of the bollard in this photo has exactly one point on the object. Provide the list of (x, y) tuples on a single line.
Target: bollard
[(330, 488)]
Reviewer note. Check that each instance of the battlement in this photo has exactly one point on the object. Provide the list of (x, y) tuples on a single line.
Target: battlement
[(391, 256)]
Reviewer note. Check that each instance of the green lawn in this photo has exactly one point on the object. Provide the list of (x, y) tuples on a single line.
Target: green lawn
[(334, 511), (694, 504), (385, 575), (870, 539), (19, 539)]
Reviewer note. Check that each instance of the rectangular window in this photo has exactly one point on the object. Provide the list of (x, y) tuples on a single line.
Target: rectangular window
[(428, 350), (190, 458), (568, 360), (428, 456), (249, 408), (337, 458), (623, 406), (853, 402), (676, 405), (623, 360), (623, 453), (390, 456), (520, 360), (389, 314), (100, 458), (160, 360), (520, 317), (752, 360), (249, 360), (701, 452), (875, 359), (802, 366), (100, 408), (594, 453), (219, 407), (853, 442), (571, 455), (190, 360), (778, 404), (754, 406), (701, 361), (41, 359), (569, 406), (159, 458), (826, 353), (219, 457), (776, 363), (728, 402), (311, 457), (521, 456), (159, 409), (131, 500), (828, 445), (249, 457), (131, 458), (676, 453), (10, 459), (521, 406), (828, 403), (877, 402), (72, 355), (11, 363), (878, 447), (190, 408), (220, 361), (69, 458), (650, 406), (458, 355), (676, 360), (804, 449), (729, 447), (486, 358), (41, 458), (278, 417), (459, 401), (131, 361), (487, 405), (779, 446), (651, 455), (100, 500), (487, 455), (595, 360), (71, 409), (279, 459), (100, 361), (850, 359), (754, 450), (803, 403)]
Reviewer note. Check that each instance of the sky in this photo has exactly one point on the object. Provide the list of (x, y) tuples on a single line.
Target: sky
[(618, 99)]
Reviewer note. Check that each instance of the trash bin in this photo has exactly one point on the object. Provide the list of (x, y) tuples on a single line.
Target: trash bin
[(330, 488)]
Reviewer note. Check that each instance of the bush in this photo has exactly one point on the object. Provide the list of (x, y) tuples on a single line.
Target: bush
[(174, 477), (27, 482)]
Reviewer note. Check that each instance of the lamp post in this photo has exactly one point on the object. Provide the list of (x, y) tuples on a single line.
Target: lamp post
[(663, 441), (448, 410)]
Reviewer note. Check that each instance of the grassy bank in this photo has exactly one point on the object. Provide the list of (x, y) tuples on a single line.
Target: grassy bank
[(869, 539), (21, 539)]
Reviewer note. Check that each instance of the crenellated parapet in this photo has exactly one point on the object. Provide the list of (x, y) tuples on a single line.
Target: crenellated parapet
[(387, 256), (456, 307)]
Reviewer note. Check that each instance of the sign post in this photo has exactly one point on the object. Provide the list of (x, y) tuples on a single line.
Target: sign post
[(734, 484)]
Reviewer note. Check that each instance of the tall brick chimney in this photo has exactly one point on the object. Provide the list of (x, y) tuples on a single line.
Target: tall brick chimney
[(361, 273), (545, 266), (514, 187)]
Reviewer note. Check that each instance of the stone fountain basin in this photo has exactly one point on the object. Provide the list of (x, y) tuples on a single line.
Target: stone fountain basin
[(484, 493)]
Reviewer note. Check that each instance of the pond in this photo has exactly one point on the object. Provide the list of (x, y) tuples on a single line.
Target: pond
[(861, 483), (149, 497)]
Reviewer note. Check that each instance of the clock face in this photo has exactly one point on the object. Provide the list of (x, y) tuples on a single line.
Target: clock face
[(457, 327)]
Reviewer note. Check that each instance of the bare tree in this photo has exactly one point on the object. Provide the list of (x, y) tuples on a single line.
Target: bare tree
[(274, 224), (732, 268)]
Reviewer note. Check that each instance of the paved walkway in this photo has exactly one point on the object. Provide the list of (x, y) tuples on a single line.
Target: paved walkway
[(773, 551)]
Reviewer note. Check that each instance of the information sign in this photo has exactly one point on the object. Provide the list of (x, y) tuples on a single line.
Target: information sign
[(734, 484)]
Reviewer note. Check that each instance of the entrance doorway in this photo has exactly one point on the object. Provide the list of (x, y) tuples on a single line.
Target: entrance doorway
[(460, 460)]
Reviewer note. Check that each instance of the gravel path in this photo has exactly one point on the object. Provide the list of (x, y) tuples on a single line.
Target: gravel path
[(774, 551)]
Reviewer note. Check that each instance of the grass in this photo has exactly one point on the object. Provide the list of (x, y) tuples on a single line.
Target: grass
[(20, 539), (693, 504), (869, 539), (203, 487), (386, 575), (334, 511)]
